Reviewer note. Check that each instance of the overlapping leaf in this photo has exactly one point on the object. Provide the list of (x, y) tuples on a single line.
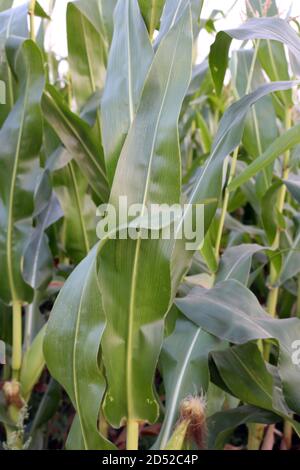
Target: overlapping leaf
[(151, 11), (136, 300), (21, 139), (286, 141), (257, 28), (72, 344), (38, 262), (130, 57), (184, 362), (208, 186), (78, 139), (240, 319), (87, 47)]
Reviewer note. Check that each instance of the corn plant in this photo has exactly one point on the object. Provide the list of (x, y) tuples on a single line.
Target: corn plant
[(183, 337)]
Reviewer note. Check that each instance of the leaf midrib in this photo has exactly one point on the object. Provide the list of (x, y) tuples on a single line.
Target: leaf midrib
[(74, 362), (12, 196), (90, 70), (82, 143), (137, 250), (130, 88)]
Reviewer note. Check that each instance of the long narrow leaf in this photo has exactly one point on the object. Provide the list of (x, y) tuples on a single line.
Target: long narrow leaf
[(71, 347), (257, 28), (130, 57), (135, 301), (21, 140), (77, 137)]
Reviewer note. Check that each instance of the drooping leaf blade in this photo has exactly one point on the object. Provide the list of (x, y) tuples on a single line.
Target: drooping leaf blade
[(220, 310), (257, 28), (236, 263), (78, 139), (208, 185), (222, 424)]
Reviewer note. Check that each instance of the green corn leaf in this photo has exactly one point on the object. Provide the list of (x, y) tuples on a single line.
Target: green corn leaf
[(100, 14), (220, 310), (134, 332), (78, 234), (6, 4), (124, 83), (257, 136), (47, 407), (236, 263), (75, 440), (38, 262), (271, 218), (222, 424), (40, 12), (208, 252), (248, 379), (151, 11), (71, 347), (256, 28), (271, 54), (286, 141), (13, 22), (19, 167), (293, 185), (172, 12), (291, 262), (78, 139), (184, 365), (178, 439), (87, 61), (32, 365), (208, 185), (245, 374)]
